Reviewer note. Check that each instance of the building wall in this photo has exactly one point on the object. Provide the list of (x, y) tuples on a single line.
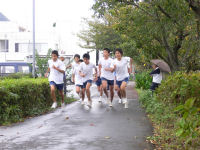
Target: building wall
[(11, 32)]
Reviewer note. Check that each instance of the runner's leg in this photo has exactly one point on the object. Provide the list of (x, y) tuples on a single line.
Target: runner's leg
[(53, 94), (104, 86), (78, 90), (88, 91), (62, 95), (123, 89), (83, 94), (111, 92)]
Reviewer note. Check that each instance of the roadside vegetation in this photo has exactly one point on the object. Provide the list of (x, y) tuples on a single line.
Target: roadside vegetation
[(159, 29), (174, 111), (24, 97)]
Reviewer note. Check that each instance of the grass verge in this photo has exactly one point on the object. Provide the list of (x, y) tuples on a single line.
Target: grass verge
[(166, 124)]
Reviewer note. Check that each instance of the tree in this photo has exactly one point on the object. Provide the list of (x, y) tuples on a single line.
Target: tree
[(42, 63), (160, 29), (99, 35)]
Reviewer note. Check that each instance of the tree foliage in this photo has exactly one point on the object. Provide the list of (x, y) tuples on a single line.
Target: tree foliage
[(42, 63), (99, 35), (149, 29)]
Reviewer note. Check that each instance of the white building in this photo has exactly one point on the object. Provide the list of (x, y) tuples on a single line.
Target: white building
[(16, 42)]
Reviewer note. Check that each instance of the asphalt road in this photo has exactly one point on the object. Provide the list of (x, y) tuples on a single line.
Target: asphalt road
[(77, 127)]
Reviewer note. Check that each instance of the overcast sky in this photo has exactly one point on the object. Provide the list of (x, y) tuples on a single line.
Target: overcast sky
[(67, 14)]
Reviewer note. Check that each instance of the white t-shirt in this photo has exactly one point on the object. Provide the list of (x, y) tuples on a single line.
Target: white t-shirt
[(157, 78), (106, 63), (55, 75), (87, 70), (121, 68), (128, 59), (75, 70)]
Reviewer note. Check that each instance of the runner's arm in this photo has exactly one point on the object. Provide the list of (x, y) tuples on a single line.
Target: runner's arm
[(46, 74), (95, 71), (131, 64), (73, 77), (80, 72), (69, 66), (58, 69), (109, 69), (112, 69), (100, 69), (96, 77)]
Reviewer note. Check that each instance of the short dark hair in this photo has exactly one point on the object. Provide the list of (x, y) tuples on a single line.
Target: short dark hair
[(107, 49), (77, 55), (119, 50), (80, 60), (86, 55), (55, 52)]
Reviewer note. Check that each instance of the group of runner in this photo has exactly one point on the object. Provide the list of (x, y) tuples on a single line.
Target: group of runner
[(110, 74)]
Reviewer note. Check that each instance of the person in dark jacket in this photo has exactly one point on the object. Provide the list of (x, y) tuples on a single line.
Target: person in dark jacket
[(157, 77)]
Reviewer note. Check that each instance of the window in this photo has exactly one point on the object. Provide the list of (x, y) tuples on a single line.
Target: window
[(7, 69), (23, 69), (4, 45), (16, 47), (28, 47)]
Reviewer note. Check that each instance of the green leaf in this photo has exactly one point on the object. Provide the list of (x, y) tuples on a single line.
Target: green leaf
[(179, 132), (182, 123), (189, 103), (185, 115), (178, 108)]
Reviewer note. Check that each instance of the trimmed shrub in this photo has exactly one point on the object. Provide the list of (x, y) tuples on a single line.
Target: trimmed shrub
[(180, 87), (21, 98), (17, 76), (143, 80)]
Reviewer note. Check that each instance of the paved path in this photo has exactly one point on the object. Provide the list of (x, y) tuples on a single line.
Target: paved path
[(77, 127)]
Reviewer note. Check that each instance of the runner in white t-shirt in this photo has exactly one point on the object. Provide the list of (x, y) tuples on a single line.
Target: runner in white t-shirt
[(56, 69), (99, 85), (130, 62), (120, 66), (107, 76), (76, 78), (86, 71)]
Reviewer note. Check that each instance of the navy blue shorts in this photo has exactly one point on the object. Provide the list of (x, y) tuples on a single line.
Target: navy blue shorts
[(110, 82), (58, 86), (85, 83), (154, 86), (119, 83), (81, 86), (98, 82)]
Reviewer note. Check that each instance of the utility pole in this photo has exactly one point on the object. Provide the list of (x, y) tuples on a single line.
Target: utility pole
[(33, 71), (97, 57)]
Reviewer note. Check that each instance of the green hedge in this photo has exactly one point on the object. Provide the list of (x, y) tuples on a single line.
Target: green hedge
[(180, 87), (143, 80), (174, 111), (21, 98), (17, 76), (172, 130)]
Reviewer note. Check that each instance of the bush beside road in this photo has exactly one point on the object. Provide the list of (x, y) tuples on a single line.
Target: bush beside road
[(24, 97), (174, 111)]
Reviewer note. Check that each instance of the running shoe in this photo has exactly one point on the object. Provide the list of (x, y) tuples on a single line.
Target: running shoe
[(82, 102), (110, 103), (54, 105), (63, 105), (126, 105), (89, 104), (124, 100), (100, 100), (120, 101)]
